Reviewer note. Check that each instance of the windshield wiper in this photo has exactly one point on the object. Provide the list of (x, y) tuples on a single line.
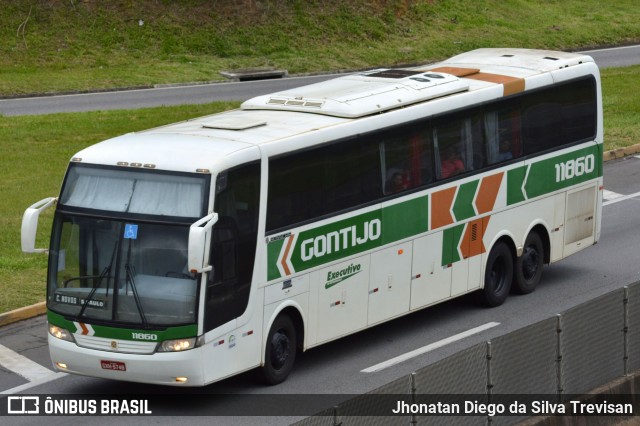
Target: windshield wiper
[(105, 273), (130, 280)]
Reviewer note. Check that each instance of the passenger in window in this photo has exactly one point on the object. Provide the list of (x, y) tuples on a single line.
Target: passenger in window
[(451, 164), (395, 184), (504, 152)]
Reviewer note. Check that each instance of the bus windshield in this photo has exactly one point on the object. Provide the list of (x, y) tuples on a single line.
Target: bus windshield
[(119, 246), (112, 270)]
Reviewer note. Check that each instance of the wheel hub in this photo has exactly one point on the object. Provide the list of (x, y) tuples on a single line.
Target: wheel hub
[(529, 263), (280, 346)]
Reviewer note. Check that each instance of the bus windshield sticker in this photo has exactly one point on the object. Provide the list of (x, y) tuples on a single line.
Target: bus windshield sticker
[(130, 232), (80, 301)]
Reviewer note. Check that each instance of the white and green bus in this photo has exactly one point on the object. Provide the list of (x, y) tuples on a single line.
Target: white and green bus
[(192, 252)]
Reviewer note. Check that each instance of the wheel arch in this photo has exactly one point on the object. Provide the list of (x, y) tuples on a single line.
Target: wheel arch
[(294, 311), (542, 230)]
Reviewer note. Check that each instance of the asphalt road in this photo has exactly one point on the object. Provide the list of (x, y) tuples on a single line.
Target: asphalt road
[(336, 368), (200, 94)]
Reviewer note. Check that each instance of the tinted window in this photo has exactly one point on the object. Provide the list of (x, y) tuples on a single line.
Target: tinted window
[(233, 246), (459, 144), (406, 156), (559, 116), (324, 180), (349, 173), (502, 131)]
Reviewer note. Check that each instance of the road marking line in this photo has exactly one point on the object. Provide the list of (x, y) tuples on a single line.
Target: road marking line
[(53, 376), (428, 348), (623, 198), (610, 195), (22, 365)]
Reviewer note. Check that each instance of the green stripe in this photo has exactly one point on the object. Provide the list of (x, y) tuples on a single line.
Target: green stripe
[(450, 242), (543, 176), (515, 179), (334, 241), (179, 332), (405, 220), (397, 222), (463, 205), (273, 252)]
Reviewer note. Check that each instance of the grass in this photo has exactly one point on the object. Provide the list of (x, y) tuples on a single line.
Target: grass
[(621, 107), (61, 45), (36, 150)]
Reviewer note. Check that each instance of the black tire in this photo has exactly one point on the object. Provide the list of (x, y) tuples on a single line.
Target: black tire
[(529, 265), (498, 275), (280, 351)]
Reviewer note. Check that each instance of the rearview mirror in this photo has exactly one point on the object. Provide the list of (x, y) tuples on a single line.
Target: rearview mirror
[(199, 237), (30, 225)]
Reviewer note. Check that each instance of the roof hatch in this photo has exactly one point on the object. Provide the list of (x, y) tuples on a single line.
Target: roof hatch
[(362, 94), (232, 123)]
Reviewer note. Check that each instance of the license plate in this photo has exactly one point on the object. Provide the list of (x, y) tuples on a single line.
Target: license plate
[(113, 365)]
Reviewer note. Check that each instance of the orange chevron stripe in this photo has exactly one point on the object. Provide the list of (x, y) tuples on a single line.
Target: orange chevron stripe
[(283, 262), (472, 243), (441, 202), (511, 84), (458, 72), (488, 192), (85, 330)]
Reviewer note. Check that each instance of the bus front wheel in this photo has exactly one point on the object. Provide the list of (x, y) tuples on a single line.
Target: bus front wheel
[(280, 352), (529, 265), (498, 275)]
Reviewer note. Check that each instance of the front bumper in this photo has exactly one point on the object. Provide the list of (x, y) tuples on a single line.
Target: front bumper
[(157, 368)]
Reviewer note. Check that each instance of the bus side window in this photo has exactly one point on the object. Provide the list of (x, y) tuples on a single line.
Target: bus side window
[(350, 173), (502, 134), (475, 141), (406, 159), (308, 184), (579, 112), (450, 139), (233, 245)]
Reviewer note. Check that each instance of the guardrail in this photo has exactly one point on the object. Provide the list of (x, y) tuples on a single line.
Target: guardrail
[(563, 357)]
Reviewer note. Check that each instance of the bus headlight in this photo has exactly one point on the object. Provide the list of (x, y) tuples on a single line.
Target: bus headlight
[(179, 345), (60, 333)]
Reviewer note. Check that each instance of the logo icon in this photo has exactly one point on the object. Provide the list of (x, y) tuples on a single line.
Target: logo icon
[(337, 277), (130, 232), (114, 344), (23, 405)]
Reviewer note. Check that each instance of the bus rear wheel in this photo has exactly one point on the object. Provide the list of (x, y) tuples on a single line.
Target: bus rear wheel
[(529, 265), (498, 275), (280, 351)]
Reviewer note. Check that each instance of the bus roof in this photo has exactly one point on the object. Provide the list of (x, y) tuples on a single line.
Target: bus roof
[(376, 91), (205, 143)]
